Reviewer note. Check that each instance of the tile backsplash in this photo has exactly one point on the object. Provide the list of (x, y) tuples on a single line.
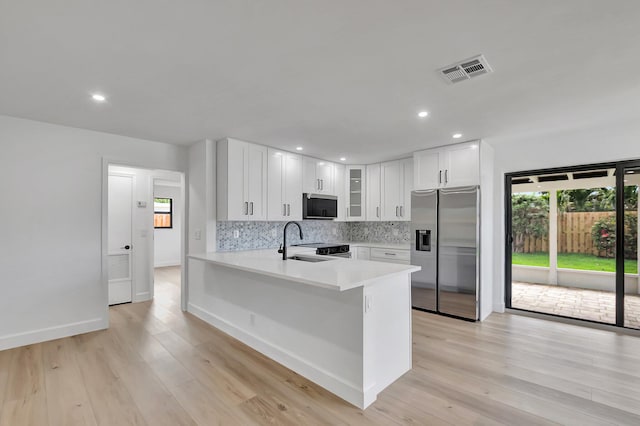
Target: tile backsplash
[(379, 232), (259, 235)]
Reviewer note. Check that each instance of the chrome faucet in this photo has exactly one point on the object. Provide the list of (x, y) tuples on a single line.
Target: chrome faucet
[(283, 248)]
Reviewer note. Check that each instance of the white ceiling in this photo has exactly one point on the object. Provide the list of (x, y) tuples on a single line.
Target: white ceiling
[(341, 78)]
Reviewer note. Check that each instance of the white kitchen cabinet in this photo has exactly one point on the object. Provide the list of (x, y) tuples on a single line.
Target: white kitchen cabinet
[(284, 186), (318, 176), (449, 166), (360, 253), (372, 197), (463, 168), (408, 187), (390, 255), (340, 185), (242, 180), (395, 190), (355, 193)]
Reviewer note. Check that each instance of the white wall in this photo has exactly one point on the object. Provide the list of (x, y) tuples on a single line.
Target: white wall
[(166, 242), (538, 150), (51, 261)]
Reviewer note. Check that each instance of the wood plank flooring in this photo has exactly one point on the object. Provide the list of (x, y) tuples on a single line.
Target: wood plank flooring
[(159, 366)]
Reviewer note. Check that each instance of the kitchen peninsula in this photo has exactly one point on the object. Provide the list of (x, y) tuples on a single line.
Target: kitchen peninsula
[(343, 324)]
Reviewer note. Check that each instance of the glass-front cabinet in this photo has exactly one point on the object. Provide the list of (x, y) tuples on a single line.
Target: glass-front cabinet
[(355, 191)]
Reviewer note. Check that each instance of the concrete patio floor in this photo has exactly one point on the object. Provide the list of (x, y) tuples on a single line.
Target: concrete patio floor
[(572, 302)]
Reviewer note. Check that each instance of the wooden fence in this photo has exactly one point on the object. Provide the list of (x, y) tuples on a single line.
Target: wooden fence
[(574, 233)]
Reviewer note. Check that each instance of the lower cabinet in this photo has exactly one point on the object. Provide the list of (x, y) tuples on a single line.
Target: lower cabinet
[(360, 253), (381, 254), (390, 255)]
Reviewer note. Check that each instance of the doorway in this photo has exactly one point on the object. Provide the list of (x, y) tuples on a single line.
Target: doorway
[(572, 246), (144, 229)]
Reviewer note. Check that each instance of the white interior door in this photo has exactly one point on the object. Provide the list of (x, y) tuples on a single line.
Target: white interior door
[(119, 238)]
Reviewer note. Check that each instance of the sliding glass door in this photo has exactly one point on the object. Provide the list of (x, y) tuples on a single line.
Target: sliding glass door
[(628, 247), (572, 245)]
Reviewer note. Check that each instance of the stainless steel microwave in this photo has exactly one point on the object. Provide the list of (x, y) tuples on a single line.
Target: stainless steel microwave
[(319, 206)]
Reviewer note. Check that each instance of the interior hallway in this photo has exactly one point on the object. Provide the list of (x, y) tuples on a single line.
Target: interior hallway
[(159, 366)]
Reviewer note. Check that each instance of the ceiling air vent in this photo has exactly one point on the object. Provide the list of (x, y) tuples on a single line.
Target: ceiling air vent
[(466, 69)]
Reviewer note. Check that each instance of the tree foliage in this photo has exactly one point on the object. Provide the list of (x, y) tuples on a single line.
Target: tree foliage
[(530, 217), (596, 199)]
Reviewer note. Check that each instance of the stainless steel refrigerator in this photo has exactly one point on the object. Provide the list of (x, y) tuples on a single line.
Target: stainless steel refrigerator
[(445, 231)]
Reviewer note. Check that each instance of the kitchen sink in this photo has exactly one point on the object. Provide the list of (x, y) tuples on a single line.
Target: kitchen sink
[(307, 259)]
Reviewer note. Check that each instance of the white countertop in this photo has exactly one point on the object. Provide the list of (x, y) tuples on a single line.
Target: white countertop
[(338, 273)]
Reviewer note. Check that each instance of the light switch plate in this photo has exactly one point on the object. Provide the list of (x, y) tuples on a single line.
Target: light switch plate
[(142, 204)]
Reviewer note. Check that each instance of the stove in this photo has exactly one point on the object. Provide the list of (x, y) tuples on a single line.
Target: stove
[(328, 249)]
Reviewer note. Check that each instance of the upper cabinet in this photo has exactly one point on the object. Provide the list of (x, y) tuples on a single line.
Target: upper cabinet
[(355, 193), (284, 187), (449, 166), (396, 179), (242, 180), (339, 183), (373, 192), (318, 176)]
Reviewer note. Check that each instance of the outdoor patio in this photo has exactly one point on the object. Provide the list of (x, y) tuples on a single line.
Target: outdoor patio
[(580, 303)]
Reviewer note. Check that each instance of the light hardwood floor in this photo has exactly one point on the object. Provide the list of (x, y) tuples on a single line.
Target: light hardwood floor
[(159, 366)]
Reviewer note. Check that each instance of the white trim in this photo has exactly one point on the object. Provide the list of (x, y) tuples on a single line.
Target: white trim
[(51, 333), (167, 263), (142, 297), (333, 384)]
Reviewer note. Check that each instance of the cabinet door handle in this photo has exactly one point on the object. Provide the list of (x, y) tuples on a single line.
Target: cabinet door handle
[(389, 254), (347, 211), (251, 207), (377, 211), (396, 211), (288, 209), (321, 184), (446, 176), (401, 214), (246, 208), (284, 210), (440, 177)]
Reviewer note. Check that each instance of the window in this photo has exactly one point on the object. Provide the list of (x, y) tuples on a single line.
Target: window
[(162, 213)]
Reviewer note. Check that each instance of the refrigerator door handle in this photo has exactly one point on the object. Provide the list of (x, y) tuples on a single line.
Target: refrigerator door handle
[(461, 190)]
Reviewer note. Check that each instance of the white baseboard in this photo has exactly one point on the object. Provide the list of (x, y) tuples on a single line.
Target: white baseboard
[(142, 297), (52, 333), (333, 384), (498, 307), (167, 263)]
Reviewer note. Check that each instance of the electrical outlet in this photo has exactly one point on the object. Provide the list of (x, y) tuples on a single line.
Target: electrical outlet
[(236, 234), (197, 234)]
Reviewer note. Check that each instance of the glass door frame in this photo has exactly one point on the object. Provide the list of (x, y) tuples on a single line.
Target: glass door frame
[(620, 167)]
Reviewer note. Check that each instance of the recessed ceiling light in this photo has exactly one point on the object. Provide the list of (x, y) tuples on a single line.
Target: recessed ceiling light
[(98, 97), (343, 159), (298, 148), (423, 114), (457, 135)]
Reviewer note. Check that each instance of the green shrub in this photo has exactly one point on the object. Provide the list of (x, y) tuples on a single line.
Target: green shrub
[(603, 233)]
